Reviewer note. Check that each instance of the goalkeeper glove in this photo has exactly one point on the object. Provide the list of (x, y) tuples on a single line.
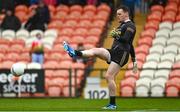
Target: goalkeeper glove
[(114, 33), (135, 67)]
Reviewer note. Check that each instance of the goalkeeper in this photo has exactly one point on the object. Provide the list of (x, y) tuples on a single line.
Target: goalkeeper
[(118, 55)]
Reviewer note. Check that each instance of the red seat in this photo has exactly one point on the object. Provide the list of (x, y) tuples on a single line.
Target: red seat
[(66, 91), (154, 17), (141, 57), (6, 64), (92, 39), (61, 73), (62, 8), (130, 73), (94, 32), (172, 8), (127, 87), (172, 88), (145, 40), (49, 73), (54, 91), (152, 25), (76, 8), (169, 17), (90, 8), (70, 24), (157, 8), (176, 65), (104, 7), (80, 32), (139, 63), (142, 49), (148, 33), (66, 32), (174, 74)]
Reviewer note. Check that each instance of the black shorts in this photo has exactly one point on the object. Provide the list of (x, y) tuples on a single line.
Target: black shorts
[(119, 56)]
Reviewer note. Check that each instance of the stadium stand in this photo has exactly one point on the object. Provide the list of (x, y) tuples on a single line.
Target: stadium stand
[(75, 24), (158, 48)]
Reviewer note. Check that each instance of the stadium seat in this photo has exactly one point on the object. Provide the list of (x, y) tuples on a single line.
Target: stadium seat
[(154, 17), (142, 49), (103, 7), (173, 41), (94, 32), (157, 8), (6, 64), (157, 87), (12, 57), (141, 57), (162, 74), (176, 25), (174, 73), (8, 34), (48, 64), (55, 24), (127, 88), (176, 65), (171, 49), (84, 24), (22, 34), (130, 73), (80, 32), (66, 92), (164, 33), (92, 39), (64, 8), (165, 65), (61, 73), (152, 25), (67, 63), (160, 41), (77, 39), (77, 8), (49, 73), (177, 58), (54, 91), (172, 88), (148, 33), (90, 8), (175, 33), (157, 49), (145, 40), (150, 65), (169, 17), (153, 57), (51, 33), (166, 25), (168, 57), (147, 74), (142, 87), (66, 32)]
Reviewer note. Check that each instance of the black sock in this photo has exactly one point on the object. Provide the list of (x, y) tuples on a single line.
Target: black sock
[(112, 100), (78, 53)]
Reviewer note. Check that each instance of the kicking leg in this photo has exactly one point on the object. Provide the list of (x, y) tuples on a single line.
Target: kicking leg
[(101, 53)]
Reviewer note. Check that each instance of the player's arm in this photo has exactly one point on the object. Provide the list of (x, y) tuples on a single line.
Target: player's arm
[(133, 57)]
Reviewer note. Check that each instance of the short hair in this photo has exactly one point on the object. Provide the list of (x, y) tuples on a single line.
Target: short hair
[(124, 8)]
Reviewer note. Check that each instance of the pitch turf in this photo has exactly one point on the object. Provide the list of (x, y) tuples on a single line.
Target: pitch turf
[(79, 104)]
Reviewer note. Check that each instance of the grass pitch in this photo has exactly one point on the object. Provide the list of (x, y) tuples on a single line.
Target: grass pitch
[(79, 104)]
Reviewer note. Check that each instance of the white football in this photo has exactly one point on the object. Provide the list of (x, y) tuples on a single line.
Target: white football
[(17, 69)]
